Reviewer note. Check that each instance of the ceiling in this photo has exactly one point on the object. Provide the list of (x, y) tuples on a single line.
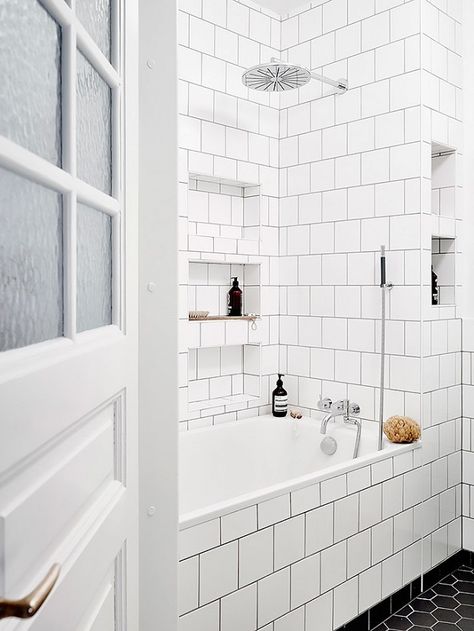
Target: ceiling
[(282, 6)]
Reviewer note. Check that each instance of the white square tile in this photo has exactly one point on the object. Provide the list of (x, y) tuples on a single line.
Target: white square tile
[(333, 566), (346, 517), (239, 610), (293, 621), (255, 556), (274, 510), (319, 529), (370, 507), (346, 601), (218, 572), (199, 538), (238, 524), (358, 553), (319, 613), (382, 540), (188, 585), (203, 618), (391, 575), (289, 541), (305, 499), (370, 587), (273, 596), (305, 580)]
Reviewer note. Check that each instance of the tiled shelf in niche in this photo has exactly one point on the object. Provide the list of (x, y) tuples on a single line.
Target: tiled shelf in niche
[(443, 189), (443, 260), (223, 376), (209, 283), (223, 215)]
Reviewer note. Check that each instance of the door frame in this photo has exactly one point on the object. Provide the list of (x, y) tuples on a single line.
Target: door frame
[(158, 317)]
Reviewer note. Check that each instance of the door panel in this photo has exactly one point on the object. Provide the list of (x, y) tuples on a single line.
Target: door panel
[(68, 316)]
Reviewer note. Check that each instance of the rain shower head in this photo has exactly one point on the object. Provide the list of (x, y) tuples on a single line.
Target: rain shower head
[(279, 76), (276, 77)]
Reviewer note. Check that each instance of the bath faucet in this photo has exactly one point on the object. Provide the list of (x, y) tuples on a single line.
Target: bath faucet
[(345, 409), (338, 408)]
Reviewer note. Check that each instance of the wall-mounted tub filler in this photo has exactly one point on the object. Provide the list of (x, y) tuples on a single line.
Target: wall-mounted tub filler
[(343, 408), (279, 76)]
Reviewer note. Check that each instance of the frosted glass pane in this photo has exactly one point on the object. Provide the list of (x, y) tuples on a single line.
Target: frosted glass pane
[(30, 71), (95, 17), (94, 268), (94, 143), (31, 269)]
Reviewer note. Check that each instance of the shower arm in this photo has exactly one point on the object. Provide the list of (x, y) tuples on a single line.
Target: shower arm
[(341, 85)]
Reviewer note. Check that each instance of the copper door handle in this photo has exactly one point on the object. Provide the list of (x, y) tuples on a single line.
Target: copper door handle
[(28, 606)]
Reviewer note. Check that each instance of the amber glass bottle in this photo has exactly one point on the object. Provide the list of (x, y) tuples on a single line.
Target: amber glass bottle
[(234, 299)]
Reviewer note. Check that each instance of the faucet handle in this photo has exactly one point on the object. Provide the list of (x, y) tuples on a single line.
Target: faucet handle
[(324, 404), (339, 406), (354, 408)]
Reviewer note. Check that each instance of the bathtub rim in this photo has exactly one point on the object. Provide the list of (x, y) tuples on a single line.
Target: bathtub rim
[(226, 507)]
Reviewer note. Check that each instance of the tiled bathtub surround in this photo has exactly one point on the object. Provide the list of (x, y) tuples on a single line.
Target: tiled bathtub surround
[(316, 556)]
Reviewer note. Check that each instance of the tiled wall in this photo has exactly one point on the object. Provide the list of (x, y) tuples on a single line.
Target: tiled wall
[(349, 183), (339, 176), (231, 135), (441, 127), (468, 435), (317, 556)]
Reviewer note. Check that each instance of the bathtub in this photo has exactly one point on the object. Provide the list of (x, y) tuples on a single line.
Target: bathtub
[(276, 535), (233, 465)]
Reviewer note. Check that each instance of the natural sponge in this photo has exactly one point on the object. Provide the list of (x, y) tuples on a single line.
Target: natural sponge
[(401, 429)]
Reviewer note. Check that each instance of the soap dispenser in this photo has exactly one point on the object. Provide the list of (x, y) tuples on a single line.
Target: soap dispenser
[(280, 399), (234, 299)]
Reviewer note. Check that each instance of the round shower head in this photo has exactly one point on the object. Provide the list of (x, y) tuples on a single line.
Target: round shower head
[(276, 77)]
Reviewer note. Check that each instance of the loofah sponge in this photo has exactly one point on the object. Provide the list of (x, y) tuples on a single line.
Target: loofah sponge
[(401, 429)]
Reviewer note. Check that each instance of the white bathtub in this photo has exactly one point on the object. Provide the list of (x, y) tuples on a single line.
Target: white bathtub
[(230, 466)]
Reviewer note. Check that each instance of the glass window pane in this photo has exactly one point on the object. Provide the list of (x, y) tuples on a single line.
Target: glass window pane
[(31, 267), (95, 17), (94, 268), (94, 140), (30, 71)]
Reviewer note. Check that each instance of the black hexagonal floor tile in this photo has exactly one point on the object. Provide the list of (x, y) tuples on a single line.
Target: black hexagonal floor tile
[(399, 623), (448, 580), (445, 626), (446, 615), (465, 599), (448, 606), (462, 574), (466, 611), (445, 590), (446, 602), (465, 586), (422, 619), (420, 604)]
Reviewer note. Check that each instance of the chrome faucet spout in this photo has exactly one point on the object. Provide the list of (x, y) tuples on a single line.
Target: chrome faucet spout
[(325, 421)]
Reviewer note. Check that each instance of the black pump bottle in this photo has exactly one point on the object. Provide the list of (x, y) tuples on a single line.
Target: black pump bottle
[(234, 299), (280, 399)]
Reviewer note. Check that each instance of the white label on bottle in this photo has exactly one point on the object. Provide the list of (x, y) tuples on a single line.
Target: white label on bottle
[(280, 402)]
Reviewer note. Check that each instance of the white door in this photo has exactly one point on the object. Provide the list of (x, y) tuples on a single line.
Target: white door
[(68, 314)]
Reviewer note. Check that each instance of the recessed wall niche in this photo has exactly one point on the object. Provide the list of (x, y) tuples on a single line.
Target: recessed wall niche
[(209, 283), (443, 260), (220, 376), (223, 215)]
